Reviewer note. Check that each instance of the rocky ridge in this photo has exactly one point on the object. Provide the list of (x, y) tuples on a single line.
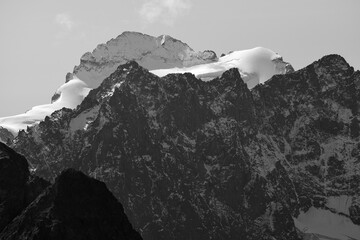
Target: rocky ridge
[(213, 160), (170, 149), (5, 135)]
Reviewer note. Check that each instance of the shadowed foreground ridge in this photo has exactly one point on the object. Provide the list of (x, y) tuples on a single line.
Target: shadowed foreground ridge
[(213, 160), (74, 207), (17, 187)]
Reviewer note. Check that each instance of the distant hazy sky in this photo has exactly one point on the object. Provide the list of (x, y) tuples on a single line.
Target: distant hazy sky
[(42, 40)]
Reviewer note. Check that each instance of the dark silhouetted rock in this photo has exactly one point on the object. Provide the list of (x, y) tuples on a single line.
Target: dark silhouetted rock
[(74, 207), (17, 187)]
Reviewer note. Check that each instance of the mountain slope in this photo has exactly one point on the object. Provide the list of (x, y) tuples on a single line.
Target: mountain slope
[(164, 52), (212, 160)]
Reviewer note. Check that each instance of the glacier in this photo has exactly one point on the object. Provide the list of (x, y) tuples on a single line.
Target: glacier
[(255, 65), (72, 93)]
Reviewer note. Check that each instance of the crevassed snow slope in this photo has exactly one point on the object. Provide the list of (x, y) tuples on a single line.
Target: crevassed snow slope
[(72, 93), (256, 65)]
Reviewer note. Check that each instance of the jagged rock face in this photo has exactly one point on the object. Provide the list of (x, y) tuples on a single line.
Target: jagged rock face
[(283, 67), (173, 151), (74, 207), (213, 160), (150, 52), (312, 116), (17, 187), (5, 135)]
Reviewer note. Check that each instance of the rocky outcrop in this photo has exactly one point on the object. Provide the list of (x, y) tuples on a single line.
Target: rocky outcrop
[(283, 67), (74, 207), (5, 135)]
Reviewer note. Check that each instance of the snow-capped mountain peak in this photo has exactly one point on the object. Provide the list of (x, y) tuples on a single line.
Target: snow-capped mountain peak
[(163, 54), (150, 52)]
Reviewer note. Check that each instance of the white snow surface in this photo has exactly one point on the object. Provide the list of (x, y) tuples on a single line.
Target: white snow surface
[(255, 65), (72, 94), (327, 225), (82, 121), (163, 55)]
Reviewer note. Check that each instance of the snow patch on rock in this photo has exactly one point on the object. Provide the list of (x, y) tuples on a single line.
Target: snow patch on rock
[(84, 119), (340, 204), (326, 225)]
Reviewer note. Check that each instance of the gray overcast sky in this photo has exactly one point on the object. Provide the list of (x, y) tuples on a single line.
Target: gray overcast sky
[(42, 40)]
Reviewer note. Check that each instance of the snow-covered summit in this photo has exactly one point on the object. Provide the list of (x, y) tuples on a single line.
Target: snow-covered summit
[(255, 65), (150, 52), (163, 54)]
